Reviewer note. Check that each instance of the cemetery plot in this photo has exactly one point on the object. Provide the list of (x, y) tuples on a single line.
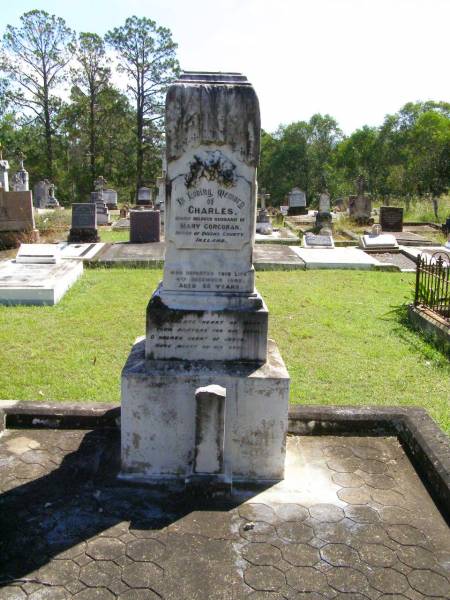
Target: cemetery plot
[(37, 284), (364, 525)]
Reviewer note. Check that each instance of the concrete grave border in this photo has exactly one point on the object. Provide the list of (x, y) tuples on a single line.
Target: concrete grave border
[(426, 445)]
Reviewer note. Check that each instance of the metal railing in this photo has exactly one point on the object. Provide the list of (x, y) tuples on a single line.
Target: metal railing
[(433, 283)]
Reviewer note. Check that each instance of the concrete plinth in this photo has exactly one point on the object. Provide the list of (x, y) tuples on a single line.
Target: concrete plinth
[(159, 416)]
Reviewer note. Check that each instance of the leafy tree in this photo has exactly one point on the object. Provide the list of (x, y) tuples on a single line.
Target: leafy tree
[(146, 54), (34, 58), (90, 80)]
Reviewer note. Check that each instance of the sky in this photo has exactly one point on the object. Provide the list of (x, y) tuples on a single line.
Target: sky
[(356, 60)]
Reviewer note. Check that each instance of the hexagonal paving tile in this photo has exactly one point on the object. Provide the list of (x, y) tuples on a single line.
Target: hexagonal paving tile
[(291, 512), (295, 532), (326, 513), (339, 555), (143, 575), (264, 578), (388, 581), (407, 535), (257, 531), (377, 555), (417, 557), (257, 512), (104, 548), (344, 465), (261, 554), (347, 479), (429, 583), (100, 573), (307, 579), (362, 514), (346, 579), (373, 466), (145, 549), (300, 555), (354, 495)]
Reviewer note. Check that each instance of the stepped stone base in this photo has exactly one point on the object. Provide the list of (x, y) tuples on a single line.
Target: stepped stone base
[(159, 414)]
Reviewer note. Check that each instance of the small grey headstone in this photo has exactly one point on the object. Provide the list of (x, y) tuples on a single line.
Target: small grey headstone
[(318, 241)]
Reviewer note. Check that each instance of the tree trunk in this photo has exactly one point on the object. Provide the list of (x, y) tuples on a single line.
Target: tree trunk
[(92, 139), (48, 134), (139, 150)]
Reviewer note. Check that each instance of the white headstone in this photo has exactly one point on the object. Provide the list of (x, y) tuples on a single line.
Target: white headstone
[(38, 253), (324, 202)]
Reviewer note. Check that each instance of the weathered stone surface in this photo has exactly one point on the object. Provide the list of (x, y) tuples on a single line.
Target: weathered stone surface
[(16, 211), (256, 405), (212, 138)]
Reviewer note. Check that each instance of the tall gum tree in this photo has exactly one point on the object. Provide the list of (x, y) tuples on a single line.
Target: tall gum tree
[(90, 79), (146, 55), (34, 58)]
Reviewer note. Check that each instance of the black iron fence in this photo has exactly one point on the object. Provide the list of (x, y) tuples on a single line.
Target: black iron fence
[(433, 283)]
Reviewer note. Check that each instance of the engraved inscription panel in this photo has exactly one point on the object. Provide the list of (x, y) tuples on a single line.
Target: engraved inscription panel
[(211, 334), (211, 204)]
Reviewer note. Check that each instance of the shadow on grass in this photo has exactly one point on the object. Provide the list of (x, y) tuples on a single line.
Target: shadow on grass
[(420, 342)]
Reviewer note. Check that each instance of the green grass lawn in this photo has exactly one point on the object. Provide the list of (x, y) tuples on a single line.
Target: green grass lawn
[(110, 236), (339, 332)]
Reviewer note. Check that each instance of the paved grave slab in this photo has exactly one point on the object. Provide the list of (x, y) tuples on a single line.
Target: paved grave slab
[(132, 254), (337, 258), (352, 519), (37, 284), (80, 251), (396, 260), (413, 252)]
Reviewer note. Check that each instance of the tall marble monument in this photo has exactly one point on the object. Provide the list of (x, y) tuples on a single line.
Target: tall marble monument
[(206, 322)]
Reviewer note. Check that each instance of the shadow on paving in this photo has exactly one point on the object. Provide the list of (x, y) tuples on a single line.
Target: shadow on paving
[(79, 500)]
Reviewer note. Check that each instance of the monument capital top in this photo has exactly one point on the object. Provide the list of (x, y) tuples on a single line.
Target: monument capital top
[(215, 77)]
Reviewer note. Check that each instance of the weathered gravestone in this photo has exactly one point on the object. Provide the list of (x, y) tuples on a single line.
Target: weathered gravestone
[(109, 197), (324, 202), (391, 218), (297, 202), (144, 226), (41, 193), (4, 168), (206, 323), (360, 206), (21, 178), (98, 200), (16, 219), (84, 223)]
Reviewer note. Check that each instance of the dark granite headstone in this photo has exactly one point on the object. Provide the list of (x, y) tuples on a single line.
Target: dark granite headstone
[(84, 223), (391, 218), (144, 226)]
